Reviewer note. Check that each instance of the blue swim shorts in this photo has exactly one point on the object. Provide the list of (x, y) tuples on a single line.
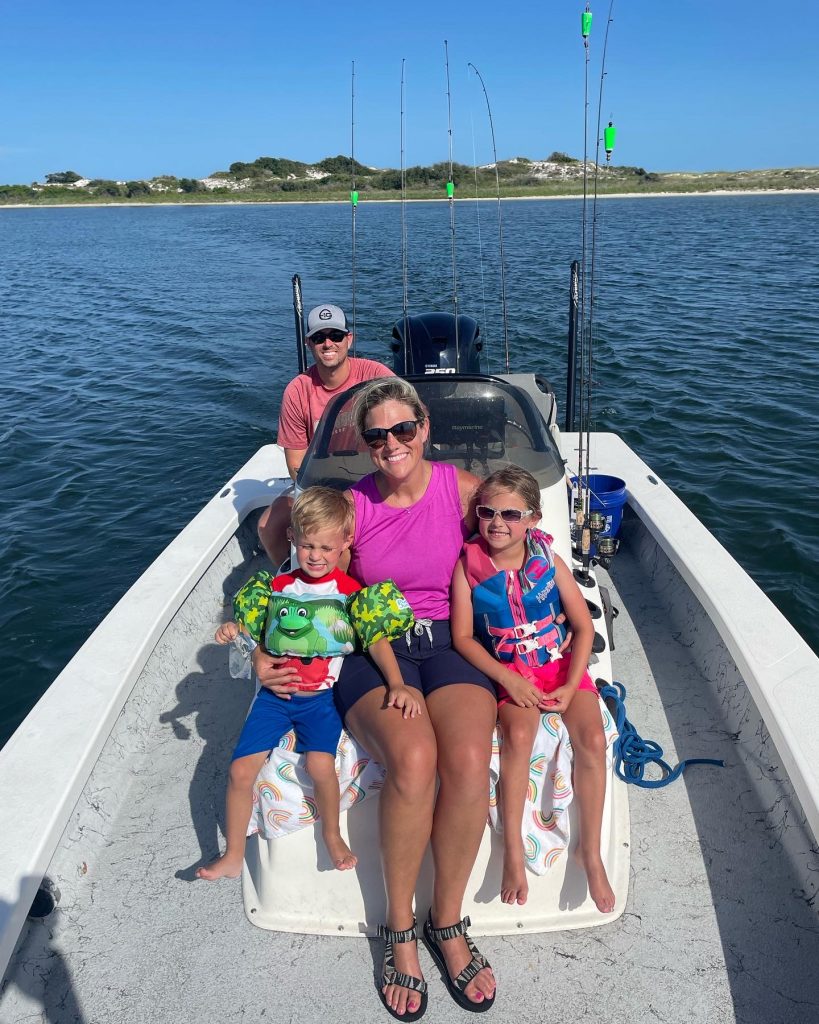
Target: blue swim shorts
[(315, 720), (427, 662)]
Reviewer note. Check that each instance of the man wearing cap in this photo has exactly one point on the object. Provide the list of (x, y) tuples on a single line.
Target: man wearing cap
[(305, 399)]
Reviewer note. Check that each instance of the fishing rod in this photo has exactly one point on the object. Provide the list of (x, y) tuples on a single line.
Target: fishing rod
[(450, 192), (581, 499), (485, 320), (353, 192), (298, 311), (589, 524), (500, 219), (404, 259), (590, 362)]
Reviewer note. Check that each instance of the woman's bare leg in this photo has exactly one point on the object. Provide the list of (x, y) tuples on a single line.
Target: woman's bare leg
[(238, 805), (519, 727), (463, 716), (585, 727), (321, 767), (406, 748)]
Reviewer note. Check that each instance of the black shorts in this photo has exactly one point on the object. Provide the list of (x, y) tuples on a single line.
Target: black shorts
[(427, 662)]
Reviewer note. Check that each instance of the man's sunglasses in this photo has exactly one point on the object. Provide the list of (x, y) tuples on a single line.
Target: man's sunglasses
[(335, 336), (508, 515), (376, 437)]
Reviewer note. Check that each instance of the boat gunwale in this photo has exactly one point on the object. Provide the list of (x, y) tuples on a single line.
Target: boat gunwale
[(777, 665), (76, 715)]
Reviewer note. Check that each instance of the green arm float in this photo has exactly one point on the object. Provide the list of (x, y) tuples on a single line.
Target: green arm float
[(380, 611), (251, 603)]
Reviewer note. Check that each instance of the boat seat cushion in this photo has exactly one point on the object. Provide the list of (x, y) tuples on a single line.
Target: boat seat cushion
[(283, 799)]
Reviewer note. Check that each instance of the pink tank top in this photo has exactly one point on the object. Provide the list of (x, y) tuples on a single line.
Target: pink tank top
[(416, 546)]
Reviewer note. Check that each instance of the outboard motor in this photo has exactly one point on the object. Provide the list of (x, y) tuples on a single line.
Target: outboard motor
[(430, 343)]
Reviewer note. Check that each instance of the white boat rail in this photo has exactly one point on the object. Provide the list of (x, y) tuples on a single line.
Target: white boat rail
[(73, 719)]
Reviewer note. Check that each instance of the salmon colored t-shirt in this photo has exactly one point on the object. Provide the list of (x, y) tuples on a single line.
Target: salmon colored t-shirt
[(305, 399)]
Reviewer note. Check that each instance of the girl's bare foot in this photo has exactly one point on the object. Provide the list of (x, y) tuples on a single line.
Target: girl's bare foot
[(222, 867), (514, 886), (600, 889), (340, 853)]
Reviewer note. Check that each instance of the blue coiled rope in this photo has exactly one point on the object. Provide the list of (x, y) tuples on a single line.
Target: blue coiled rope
[(632, 754)]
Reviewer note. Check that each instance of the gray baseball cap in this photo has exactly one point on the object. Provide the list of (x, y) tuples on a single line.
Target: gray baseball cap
[(326, 318)]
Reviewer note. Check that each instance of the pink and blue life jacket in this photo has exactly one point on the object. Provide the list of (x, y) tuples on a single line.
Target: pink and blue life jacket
[(515, 610)]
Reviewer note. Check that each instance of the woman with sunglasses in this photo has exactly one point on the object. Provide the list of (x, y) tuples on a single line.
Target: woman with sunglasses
[(509, 589), (411, 519)]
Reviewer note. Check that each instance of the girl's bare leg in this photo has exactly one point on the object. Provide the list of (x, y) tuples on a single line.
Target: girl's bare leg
[(407, 749), (585, 727), (463, 716), (519, 727), (239, 803), (321, 768)]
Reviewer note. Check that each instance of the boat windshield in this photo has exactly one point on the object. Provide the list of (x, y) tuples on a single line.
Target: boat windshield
[(477, 423)]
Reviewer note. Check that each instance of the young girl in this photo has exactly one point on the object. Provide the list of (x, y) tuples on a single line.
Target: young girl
[(507, 590)]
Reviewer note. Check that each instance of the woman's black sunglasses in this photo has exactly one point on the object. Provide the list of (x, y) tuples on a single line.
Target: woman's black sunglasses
[(376, 437), (508, 515)]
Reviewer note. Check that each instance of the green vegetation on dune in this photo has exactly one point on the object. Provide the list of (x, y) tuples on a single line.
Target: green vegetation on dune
[(272, 179)]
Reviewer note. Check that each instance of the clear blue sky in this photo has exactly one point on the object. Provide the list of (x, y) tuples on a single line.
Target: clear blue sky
[(126, 91)]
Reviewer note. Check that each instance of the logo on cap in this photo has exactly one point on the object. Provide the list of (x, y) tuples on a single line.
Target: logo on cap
[(325, 314)]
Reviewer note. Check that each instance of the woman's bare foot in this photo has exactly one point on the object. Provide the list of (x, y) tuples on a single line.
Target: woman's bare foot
[(222, 867), (457, 956), (404, 1000), (514, 886), (340, 853), (600, 888)]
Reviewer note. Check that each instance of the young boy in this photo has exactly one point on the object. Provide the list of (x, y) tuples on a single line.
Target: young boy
[(306, 620)]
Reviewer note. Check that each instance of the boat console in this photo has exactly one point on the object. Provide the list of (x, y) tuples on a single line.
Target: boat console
[(477, 422)]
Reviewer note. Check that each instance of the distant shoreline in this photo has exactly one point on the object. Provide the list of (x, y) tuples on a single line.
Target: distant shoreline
[(482, 199)]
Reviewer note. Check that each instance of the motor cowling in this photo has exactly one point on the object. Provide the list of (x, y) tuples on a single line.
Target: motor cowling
[(436, 343)]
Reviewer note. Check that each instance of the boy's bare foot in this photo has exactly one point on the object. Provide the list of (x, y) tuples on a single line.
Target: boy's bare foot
[(222, 867), (600, 889), (340, 853), (514, 886)]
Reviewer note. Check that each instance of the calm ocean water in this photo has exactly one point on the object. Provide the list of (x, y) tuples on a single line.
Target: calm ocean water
[(145, 351)]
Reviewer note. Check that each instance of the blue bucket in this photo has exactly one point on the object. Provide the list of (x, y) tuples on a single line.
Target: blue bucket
[(607, 495)]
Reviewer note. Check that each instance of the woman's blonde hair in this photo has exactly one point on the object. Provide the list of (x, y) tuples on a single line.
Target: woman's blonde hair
[(321, 508), (386, 389), (515, 479)]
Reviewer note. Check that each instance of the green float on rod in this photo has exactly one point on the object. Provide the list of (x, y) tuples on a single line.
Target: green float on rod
[(609, 138), (586, 22), (354, 197), (450, 189)]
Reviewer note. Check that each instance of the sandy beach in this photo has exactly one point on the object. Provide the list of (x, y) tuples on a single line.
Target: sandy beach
[(472, 199)]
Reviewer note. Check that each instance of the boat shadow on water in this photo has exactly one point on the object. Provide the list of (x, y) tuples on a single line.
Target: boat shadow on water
[(760, 864)]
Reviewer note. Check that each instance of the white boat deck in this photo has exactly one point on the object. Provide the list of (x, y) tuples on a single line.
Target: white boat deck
[(717, 926)]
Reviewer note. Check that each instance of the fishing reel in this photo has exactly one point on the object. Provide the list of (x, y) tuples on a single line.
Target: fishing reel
[(606, 550), (587, 544)]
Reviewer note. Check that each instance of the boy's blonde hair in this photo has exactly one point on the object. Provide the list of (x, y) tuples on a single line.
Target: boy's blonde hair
[(511, 478), (321, 508)]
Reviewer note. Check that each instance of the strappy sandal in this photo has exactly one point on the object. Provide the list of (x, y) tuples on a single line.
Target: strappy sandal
[(457, 986), (391, 976)]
